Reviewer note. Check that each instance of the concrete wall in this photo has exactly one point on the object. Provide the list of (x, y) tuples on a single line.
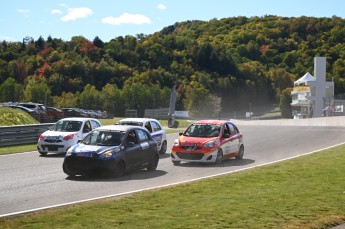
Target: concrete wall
[(338, 121)]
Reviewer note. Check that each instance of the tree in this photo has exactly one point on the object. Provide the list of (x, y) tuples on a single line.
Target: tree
[(66, 100), (17, 70), (37, 90), (285, 103), (112, 100), (98, 42), (90, 98), (39, 43), (200, 103), (11, 91), (281, 79), (135, 97)]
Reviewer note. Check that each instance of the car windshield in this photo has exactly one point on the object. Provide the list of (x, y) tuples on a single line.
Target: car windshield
[(130, 123), (104, 138), (67, 126), (203, 130)]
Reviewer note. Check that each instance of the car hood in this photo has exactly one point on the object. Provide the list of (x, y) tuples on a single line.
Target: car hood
[(187, 141), (82, 150), (58, 133)]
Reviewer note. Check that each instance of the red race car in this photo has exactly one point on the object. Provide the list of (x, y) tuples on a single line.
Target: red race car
[(209, 141)]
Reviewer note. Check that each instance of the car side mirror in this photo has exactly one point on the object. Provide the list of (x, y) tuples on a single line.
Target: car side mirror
[(180, 134)]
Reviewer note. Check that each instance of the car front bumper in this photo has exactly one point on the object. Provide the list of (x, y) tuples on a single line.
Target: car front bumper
[(87, 165), (52, 148), (191, 156)]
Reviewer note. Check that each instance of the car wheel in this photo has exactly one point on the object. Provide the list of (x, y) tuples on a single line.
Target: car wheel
[(219, 158), (176, 163), (120, 169), (163, 148), (67, 171), (240, 153), (43, 153), (154, 163)]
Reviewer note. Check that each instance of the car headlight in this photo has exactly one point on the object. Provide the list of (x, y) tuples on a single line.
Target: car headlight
[(210, 144), (176, 143), (106, 155), (69, 152)]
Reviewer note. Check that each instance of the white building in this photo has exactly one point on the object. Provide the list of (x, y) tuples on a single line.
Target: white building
[(310, 93)]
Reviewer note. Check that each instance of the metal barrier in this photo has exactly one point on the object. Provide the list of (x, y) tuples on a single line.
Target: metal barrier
[(131, 113), (21, 134), (159, 113)]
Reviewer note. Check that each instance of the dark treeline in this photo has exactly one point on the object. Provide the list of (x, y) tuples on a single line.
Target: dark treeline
[(224, 65)]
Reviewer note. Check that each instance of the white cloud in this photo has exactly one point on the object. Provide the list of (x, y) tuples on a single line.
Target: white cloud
[(63, 5), (161, 6), (76, 13), (56, 11), (24, 11), (126, 18)]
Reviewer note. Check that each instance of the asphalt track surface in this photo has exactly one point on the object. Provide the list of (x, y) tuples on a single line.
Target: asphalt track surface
[(29, 182)]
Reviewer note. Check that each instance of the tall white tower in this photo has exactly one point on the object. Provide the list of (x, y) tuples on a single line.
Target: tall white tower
[(322, 88)]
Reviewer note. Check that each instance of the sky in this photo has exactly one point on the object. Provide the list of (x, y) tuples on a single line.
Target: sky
[(108, 19)]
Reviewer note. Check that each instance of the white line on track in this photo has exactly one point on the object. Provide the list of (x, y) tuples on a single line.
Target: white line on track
[(163, 186)]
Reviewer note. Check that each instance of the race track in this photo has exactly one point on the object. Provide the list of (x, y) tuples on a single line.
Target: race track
[(29, 182)]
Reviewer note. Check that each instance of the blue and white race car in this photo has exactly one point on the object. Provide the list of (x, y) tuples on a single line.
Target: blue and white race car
[(153, 126), (112, 150)]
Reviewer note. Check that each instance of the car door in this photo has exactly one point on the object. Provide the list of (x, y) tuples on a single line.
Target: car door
[(86, 128), (95, 124), (157, 133), (147, 145), (225, 140), (234, 138), (133, 150)]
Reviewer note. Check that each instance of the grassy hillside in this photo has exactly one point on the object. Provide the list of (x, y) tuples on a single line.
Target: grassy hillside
[(9, 117), (224, 66)]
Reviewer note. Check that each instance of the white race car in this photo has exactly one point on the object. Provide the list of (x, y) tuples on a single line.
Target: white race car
[(64, 134), (153, 126)]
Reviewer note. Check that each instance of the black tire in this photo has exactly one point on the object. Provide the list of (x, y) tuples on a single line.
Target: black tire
[(67, 171), (43, 153), (163, 147), (219, 158), (170, 123), (176, 124), (176, 163), (154, 162), (120, 169), (240, 153)]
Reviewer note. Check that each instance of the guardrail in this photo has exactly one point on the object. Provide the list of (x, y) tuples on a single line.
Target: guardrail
[(21, 134), (159, 113)]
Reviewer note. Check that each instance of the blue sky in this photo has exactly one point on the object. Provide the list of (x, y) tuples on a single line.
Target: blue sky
[(109, 19)]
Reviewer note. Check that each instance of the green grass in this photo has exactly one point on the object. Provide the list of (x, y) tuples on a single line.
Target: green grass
[(306, 192), (10, 116), (17, 149)]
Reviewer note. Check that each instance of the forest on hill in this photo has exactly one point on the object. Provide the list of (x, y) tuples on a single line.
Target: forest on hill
[(223, 64)]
